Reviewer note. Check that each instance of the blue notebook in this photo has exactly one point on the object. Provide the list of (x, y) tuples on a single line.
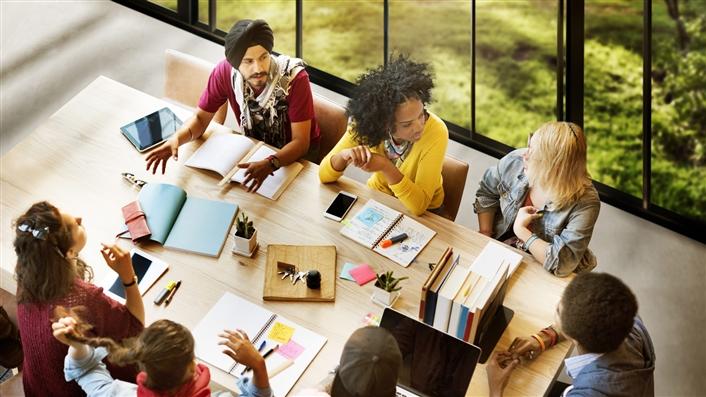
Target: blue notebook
[(186, 223)]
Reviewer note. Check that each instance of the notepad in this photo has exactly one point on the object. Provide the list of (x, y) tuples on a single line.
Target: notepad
[(376, 222), (186, 223), (232, 312), (222, 153), (362, 274), (345, 271)]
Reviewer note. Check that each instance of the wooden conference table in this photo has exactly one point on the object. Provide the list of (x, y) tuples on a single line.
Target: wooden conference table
[(75, 160)]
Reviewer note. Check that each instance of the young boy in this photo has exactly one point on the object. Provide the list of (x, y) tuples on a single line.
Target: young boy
[(597, 313)]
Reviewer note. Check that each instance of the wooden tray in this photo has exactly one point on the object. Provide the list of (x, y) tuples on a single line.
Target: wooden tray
[(304, 257)]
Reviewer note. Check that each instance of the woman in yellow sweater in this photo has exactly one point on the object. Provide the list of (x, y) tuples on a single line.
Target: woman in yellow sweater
[(392, 135)]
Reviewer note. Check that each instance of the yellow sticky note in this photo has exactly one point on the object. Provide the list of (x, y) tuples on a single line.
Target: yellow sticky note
[(281, 333)]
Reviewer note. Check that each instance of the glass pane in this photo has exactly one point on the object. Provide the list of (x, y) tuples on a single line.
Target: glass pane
[(678, 108), (613, 93), (279, 14), (515, 67), (171, 4), (343, 38), (438, 33), (203, 11)]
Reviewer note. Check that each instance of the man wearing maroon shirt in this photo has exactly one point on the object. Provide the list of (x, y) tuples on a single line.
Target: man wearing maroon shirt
[(269, 94)]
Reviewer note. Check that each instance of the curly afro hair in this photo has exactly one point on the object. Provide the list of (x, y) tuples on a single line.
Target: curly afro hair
[(378, 93), (598, 311)]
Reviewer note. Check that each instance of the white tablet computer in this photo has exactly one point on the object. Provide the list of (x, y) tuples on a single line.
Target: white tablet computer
[(151, 130), (148, 270)]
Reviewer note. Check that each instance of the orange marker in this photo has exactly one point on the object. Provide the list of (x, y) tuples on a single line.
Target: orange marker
[(393, 240)]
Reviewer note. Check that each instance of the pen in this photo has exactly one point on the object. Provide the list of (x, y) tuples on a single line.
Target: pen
[(163, 294), (172, 293), (262, 346), (393, 240), (264, 356)]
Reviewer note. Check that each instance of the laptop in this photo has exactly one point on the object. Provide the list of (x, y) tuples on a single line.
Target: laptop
[(434, 363)]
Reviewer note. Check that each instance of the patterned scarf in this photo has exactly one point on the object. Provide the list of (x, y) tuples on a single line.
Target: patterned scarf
[(265, 116)]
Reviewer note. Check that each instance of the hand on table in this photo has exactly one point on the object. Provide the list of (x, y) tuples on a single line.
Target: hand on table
[(239, 348), (525, 347), (255, 174), (162, 153), (499, 367)]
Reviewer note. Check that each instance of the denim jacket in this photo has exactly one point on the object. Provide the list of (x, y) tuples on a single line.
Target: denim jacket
[(627, 371), (568, 230)]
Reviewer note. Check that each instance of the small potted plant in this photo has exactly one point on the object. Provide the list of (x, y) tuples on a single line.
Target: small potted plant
[(386, 288), (245, 236)]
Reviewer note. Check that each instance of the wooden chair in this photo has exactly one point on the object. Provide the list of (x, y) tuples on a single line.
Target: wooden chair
[(12, 387), (185, 78), (332, 121), (454, 173)]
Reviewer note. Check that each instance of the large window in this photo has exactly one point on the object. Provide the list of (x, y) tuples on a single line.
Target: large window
[(613, 93), (516, 68), (629, 71)]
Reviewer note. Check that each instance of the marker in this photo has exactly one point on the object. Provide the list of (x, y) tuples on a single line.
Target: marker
[(163, 295), (172, 293), (393, 240), (264, 356)]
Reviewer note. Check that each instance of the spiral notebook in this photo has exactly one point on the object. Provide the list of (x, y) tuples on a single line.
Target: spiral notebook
[(232, 312), (376, 222)]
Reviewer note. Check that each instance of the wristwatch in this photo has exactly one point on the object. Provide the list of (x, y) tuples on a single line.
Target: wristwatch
[(274, 162), (130, 284)]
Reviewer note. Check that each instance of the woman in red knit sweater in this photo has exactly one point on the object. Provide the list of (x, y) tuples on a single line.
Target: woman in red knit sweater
[(50, 273)]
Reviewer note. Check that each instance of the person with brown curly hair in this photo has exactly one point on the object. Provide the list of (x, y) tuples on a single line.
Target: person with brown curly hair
[(49, 272), (392, 135)]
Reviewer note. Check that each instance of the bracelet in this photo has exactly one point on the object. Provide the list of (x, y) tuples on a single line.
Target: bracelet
[(130, 284), (528, 243), (540, 341), (551, 335)]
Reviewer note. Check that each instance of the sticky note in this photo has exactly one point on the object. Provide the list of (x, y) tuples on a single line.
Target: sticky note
[(281, 333), (371, 319), (362, 274), (291, 350), (345, 272)]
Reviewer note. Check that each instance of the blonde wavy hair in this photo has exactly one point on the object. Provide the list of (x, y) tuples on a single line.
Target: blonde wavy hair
[(557, 161)]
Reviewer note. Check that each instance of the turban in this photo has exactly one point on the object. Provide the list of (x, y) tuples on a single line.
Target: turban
[(245, 34)]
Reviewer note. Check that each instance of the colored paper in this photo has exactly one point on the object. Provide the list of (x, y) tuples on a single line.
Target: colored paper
[(281, 333), (291, 350), (362, 274), (345, 272), (371, 319)]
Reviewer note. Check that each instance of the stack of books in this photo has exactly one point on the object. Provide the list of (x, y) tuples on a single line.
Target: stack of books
[(461, 300)]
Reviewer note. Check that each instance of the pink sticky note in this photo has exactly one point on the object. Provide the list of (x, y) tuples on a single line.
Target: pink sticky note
[(362, 274), (291, 350)]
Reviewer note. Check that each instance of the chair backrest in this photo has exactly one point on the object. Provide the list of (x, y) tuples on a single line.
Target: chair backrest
[(332, 124), (454, 173), (12, 387), (185, 77)]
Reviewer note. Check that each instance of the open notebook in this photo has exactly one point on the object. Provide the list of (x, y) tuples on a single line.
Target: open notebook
[(376, 222), (285, 366), (222, 152), (186, 223)]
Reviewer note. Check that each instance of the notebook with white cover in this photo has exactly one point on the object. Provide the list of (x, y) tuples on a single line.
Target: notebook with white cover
[(232, 312), (222, 152), (376, 222)]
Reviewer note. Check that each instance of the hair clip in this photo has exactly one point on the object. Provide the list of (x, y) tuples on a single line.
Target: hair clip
[(131, 178), (38, 233)]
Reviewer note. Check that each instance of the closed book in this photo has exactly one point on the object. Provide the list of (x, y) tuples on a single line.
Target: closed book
[(432, 276), (430, 306), (459, 305), (447, 292)]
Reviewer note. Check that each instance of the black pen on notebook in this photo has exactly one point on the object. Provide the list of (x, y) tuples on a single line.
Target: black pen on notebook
[(172, 293)]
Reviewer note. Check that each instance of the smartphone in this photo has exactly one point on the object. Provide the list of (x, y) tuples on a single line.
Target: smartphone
[(340, 205)]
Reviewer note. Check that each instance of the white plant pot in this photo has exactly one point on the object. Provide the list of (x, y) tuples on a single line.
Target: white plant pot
[(384, 297), (245, 246)]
